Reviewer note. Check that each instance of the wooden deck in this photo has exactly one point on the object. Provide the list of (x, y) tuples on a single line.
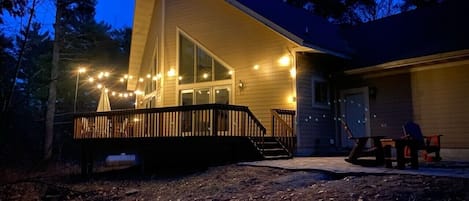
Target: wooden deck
[(186, 130), (181, 121)]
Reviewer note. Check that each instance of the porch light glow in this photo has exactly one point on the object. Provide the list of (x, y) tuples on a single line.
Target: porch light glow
[(136, 119), (99, 86), (155, 78), (140, 79), (106, 90), (91, 80), (126, 95), (256, 67), (291, 99), (284, 61), (121, 80), (171, 72), (126, 76), (120, 94), (230, 72), (180, 78), (81, 70), (293, 72), (131, 94), (138, 92), (205, 75), (100, 75), (113, 93), (131, 77), (148, 76), (106, 74)]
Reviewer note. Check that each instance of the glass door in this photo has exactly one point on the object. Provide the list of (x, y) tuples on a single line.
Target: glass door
[(187, 98), (200, 122)]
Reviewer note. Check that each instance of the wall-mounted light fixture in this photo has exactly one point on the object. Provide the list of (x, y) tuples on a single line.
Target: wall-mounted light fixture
[(241, 84)]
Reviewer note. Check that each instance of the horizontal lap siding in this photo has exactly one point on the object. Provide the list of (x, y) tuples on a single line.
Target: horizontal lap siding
[(240, 42), (440, 99), (315, 125), (392, 105)]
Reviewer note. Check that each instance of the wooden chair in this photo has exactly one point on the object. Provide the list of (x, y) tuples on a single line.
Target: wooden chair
[(427, 144), (360, 150)]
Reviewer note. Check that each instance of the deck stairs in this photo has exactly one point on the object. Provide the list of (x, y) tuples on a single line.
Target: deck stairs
[(270, 148)]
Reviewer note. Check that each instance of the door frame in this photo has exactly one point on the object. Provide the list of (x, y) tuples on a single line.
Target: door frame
[(366, 102)]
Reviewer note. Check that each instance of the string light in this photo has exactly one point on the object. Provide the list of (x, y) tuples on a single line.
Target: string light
[(91, 80), (140, 79), (121, 80)]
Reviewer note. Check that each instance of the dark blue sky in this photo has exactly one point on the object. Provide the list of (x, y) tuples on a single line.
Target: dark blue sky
[(117, 13)]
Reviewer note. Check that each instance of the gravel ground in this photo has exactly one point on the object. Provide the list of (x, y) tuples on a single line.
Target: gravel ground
[(229, 182)]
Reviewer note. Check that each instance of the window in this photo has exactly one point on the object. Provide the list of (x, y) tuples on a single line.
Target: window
[(197, 65), (320, 92)]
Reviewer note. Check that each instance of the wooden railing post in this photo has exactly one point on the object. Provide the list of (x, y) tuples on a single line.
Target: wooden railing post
[(215, 122)]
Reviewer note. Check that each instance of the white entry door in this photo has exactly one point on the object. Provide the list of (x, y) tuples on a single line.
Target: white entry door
[(354, 107)]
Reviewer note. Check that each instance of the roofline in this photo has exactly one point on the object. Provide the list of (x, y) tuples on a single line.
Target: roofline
[(283, 32), (459, 54)]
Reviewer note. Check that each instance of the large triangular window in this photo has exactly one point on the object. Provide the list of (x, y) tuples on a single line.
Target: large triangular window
[(197, 65)]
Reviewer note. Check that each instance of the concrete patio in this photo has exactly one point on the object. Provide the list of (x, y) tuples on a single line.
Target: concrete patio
[(337, 165)]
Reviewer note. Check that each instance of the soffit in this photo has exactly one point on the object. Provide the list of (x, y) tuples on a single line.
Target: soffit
[(141, 25)]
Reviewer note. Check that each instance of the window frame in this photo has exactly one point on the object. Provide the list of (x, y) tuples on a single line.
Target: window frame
[(315, 103)]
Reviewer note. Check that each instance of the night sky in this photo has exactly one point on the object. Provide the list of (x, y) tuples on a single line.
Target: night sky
[(117, 13)]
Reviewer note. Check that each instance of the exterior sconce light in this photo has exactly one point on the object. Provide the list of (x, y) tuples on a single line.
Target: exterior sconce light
[(241, 84), (284, 61)]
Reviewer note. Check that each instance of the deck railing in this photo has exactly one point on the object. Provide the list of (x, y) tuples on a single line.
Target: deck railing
[(180, 121), (283, 124)]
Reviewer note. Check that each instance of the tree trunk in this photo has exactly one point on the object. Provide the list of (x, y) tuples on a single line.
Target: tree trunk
[(49, 136)]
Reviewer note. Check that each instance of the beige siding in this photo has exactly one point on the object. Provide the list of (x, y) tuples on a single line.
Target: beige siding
[(391, 106), (441, 103), (240, 42)]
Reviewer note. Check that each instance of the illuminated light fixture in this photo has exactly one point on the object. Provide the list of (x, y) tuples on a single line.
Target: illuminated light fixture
[(138, 92), (100, 75), (291, 99), (81, 70), (106, 90), (113, 93), (256, 67), (293, 72), (171, 72), (140, 79), (120, 95), (284, 61), (136, 119), (131, 94), (148, 76), (126, 76), (131, 77), (241, 84), (158, 75), (180, 78), (217, 91), (121, 80), (91, 79), (106, 74), (205, 75), (230, 72), (99, 86), (155, 78), (126, 95)]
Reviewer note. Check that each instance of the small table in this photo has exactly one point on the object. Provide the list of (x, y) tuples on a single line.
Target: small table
[(399, 145), (359, 150)]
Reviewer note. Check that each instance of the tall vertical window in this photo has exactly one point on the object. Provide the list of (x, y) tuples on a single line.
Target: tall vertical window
[(196, 65)]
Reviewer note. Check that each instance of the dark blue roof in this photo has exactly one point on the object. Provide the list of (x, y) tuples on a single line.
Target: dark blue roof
[(314, 31), (422, 32)]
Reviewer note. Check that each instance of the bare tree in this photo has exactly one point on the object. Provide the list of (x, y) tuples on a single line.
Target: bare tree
[(51, 101)]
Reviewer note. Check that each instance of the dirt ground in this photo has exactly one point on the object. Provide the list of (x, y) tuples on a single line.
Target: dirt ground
[(228, 182)]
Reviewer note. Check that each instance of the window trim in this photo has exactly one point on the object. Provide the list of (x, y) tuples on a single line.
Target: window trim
[(197, 44), (315, 104)]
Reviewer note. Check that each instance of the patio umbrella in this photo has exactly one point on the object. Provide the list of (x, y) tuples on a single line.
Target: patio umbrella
[(103, 104)]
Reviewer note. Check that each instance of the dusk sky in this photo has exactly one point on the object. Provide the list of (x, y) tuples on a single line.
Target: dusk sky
[(117, 13)]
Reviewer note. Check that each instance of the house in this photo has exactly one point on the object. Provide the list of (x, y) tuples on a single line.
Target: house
[(258, 69)]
